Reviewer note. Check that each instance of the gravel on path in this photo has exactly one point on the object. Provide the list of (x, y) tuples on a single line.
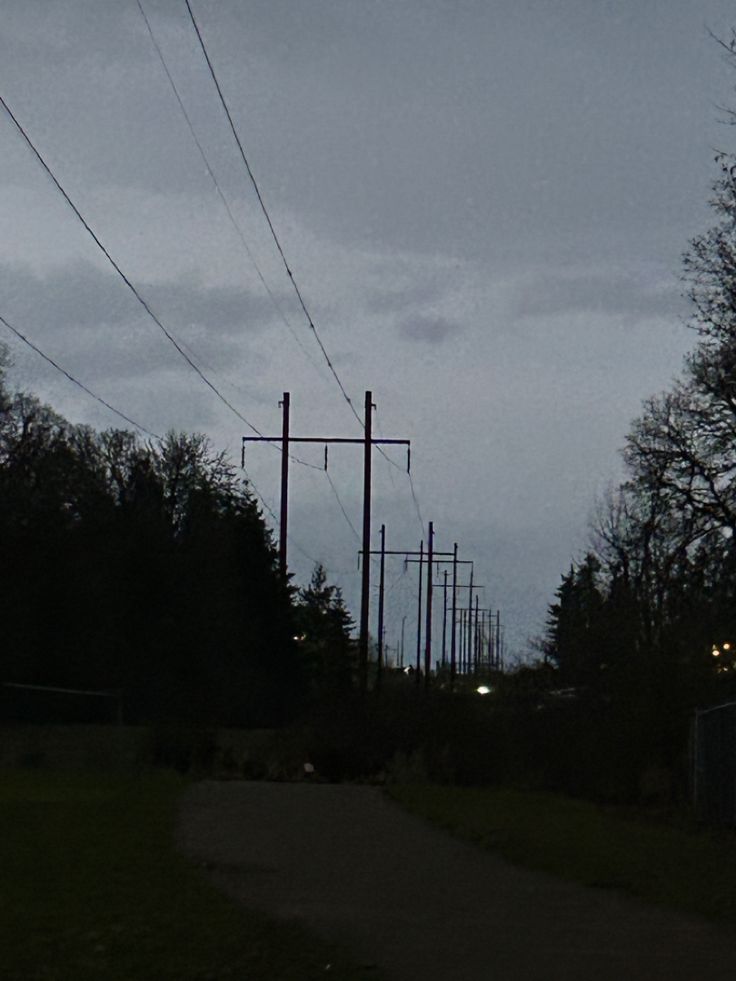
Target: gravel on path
[(349, 864)]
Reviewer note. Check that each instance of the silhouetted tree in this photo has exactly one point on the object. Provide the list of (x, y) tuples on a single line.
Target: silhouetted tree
[(324, 626), (637, 620), (142, 567), (574, 642)]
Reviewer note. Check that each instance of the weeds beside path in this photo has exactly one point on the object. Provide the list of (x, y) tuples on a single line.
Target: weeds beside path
[(91, 889), (653, 859)]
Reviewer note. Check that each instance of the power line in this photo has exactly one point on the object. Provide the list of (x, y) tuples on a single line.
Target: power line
[(272, 229), (240, 389), (148, 310), (270, 511), (262, 203), (132, 422), (344, 512), (416, 502), (258, 494), (397, 579), (378, 430), (274, 234), (233, 221), (304, 552), (122, 275), (226, 205), (179, 347), (76, 381), (289, 273)]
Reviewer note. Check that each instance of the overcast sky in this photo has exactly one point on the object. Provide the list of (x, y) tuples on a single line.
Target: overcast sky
[(484, 203)]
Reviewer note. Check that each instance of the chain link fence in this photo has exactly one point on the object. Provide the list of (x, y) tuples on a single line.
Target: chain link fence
[(714, 764)]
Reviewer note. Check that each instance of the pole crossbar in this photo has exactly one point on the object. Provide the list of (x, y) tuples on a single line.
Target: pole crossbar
[(450, 560), (401, 551), (459, 585), (325, 439), (368, 441)]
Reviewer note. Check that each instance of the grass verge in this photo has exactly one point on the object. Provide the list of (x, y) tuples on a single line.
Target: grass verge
[(656, 860), (92, 890)]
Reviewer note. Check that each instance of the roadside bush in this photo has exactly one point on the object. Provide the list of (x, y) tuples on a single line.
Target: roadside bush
[(186, 749), (581, 747)]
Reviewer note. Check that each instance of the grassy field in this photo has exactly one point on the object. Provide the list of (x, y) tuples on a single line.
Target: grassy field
[(91, 890), (654, 859)]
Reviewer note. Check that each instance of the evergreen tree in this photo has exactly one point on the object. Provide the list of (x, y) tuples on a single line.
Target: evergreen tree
[(143, 568), (574, 642), (325, 626)]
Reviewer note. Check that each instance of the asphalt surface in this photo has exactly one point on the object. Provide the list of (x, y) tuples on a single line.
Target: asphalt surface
[(349, 864)]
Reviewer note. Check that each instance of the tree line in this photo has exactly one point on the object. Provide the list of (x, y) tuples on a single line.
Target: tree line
[(147, 569), (644, 625)]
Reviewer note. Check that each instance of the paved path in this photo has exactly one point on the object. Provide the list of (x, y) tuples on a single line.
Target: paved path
[(349, 864)]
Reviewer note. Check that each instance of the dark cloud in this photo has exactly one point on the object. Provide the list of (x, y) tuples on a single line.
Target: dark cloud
[(428, 330), (220, 308), (83, 296), (616, 293), (504, 137), (88, 321), (521, 155), (423, 291)]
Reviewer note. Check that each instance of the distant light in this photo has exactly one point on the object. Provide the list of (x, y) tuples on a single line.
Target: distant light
[(299, 637), (727, 647), (716, 652), (483, 690)]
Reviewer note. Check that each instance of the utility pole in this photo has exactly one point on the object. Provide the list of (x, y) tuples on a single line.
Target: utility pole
[(366, 581), (476, 644), (421, 561), (380, 604), (453, 624), (444, 619), (419, 615), (463, 642), (438, 557), (428, 632), (453, 665), (468, 645), (367, 441), (443, 586), (285, 403)]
